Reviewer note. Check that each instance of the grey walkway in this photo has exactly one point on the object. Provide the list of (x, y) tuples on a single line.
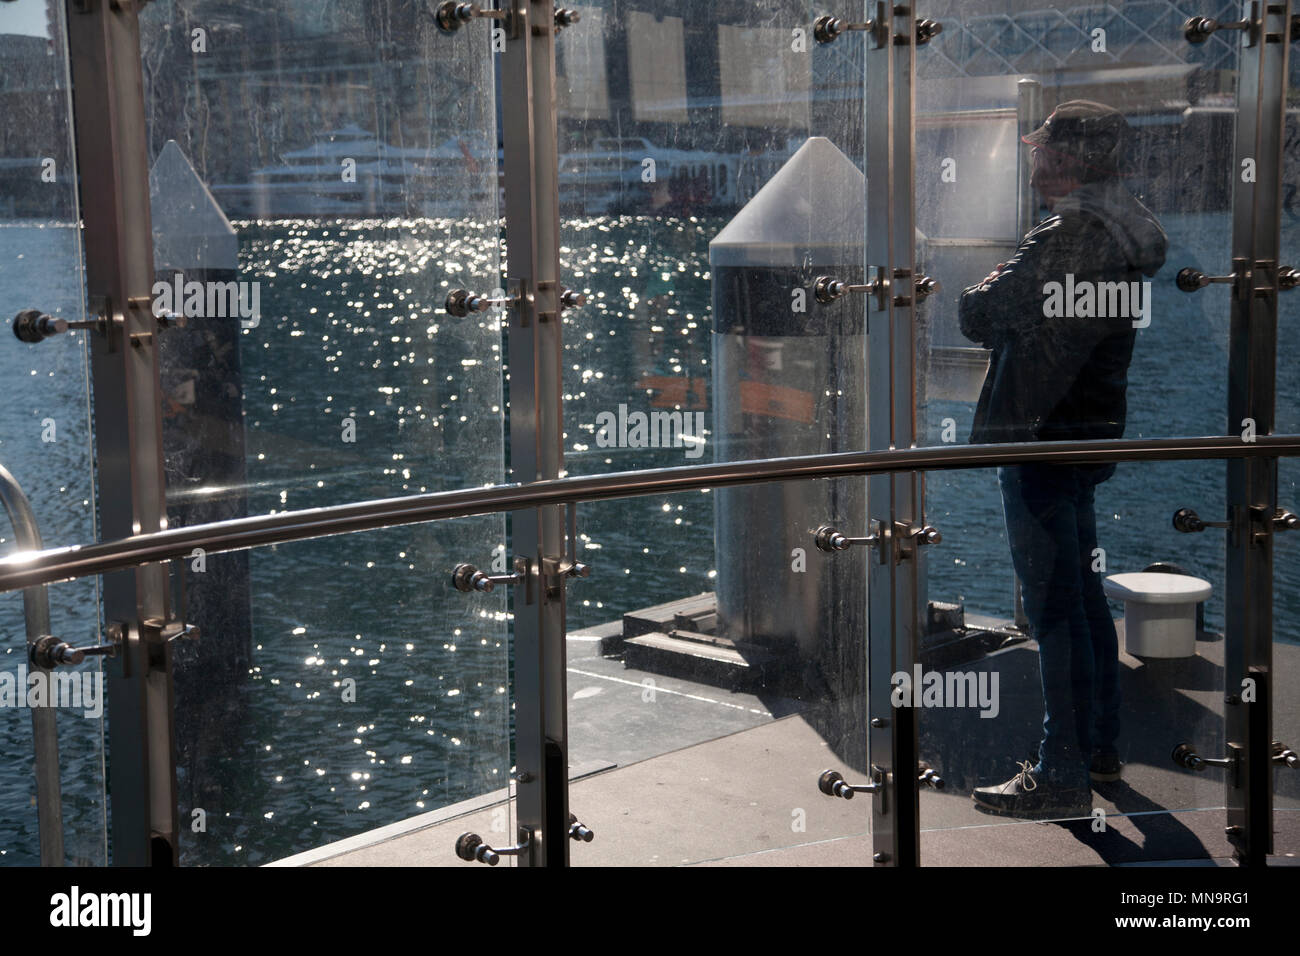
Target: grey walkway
[(673, 773)]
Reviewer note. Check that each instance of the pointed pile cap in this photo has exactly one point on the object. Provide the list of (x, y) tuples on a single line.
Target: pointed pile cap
[(189, 229), (813, 211)]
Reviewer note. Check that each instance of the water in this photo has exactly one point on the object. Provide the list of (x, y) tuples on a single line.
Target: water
[(46, 398), (352, 328)]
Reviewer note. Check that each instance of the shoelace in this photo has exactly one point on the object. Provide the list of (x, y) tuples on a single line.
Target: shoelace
[(1027, 782)]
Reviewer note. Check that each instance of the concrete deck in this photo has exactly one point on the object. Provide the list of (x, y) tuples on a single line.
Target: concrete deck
[(694, 775)]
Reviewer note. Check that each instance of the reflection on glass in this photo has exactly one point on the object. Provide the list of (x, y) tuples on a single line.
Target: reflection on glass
[(994, 74), (1060, 318), (730, 730), (984, 679), (371, 693), (582, 83), (323, 175), (657, 67), (1286, 556), (695, 117), (45, 433), (1286, 668), (766, 79), (698, 211)]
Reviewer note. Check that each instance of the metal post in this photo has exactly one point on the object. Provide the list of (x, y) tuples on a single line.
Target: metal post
[(536, 428), (1252, 484), (45, 731), (1029, 116), (892, 592), (108, 110)]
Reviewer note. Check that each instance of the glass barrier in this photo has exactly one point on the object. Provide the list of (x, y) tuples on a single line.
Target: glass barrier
[(709, 173), (1286, 544), (369, 700), (1058, 315), (1286, 668), (699, 734), (45, 435), (78, 698), (1128, 671), (323, 176)]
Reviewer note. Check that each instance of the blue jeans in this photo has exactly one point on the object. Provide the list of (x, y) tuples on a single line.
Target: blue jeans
[(1052, 530)]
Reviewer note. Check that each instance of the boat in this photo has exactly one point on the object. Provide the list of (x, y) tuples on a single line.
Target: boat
[(349, 173)]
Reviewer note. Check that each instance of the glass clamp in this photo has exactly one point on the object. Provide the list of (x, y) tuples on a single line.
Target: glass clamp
[(1183, 756), (49, 651), (33, 325), (461, 302), (827, 289), (568, 299), (926, 287), (1189, 522), (1284, 755), (1200, 29), (826, 29), (927, 30), (927, 776), (908, 537), (451, 15), (471, 848), (830, 540), (565, 17), (1262, 280), (1193, 280), (833, 784), (169, 630), (579, 832), (467, 578)]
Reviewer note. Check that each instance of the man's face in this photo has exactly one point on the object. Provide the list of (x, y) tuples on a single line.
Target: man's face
[(1050, 174)]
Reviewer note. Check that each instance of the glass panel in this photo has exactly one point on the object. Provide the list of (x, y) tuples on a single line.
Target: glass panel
[(45, 435), (1089, 335), (370, 695), (694, 738), (324, 174), (706, 180), (703, 189), (1286, 554), (1286, 664), (1081, 542)]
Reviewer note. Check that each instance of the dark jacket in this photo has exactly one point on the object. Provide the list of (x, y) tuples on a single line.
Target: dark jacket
[(1058, 378)]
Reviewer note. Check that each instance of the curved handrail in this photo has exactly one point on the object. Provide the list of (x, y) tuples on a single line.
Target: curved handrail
[(237, 534), (36, 610)]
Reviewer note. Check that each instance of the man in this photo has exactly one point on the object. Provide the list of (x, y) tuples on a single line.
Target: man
[(1061, 329)]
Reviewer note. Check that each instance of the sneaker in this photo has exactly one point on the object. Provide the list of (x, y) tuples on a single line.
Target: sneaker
[(1031, 795), (1105, 768)]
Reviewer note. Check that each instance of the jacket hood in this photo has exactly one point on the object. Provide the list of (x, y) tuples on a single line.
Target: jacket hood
[(1131, 224)]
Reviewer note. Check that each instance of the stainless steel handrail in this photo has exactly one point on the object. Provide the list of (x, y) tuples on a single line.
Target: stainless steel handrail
[(45, 734), (61, 564)]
